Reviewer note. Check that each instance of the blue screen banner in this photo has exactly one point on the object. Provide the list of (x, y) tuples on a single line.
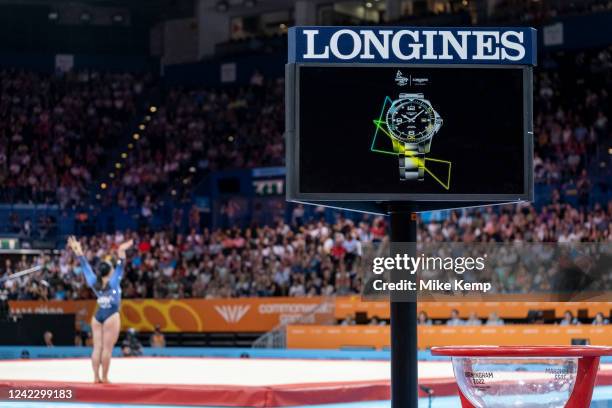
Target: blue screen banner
[(413, 45)]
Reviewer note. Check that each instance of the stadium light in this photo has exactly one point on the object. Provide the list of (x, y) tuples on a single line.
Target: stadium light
[(153, 109), (368, 5), (103, 186), (124, 155), (142, 126), (130, 145), (610, 150), (136, 136)]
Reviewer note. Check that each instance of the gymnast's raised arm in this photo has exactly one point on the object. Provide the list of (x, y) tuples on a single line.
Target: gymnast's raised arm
[(90, 276), (118, 273)]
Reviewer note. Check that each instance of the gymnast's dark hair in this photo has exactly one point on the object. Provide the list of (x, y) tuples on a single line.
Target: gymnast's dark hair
[(104, 269)]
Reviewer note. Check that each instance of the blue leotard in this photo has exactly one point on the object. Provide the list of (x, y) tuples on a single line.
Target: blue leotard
[(109, 298)]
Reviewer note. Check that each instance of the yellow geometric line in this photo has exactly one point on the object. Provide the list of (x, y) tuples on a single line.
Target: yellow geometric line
[(446, 185)]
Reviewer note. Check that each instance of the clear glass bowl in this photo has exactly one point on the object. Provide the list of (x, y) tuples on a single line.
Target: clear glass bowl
[(528, 382)]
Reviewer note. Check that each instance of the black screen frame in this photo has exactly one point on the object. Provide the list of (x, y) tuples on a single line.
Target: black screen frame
[(377, 202)]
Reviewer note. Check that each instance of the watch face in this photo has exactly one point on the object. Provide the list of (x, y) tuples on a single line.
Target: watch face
[(411, 120)]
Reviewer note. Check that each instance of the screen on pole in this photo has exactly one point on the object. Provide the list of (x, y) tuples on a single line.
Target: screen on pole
[(398, 132)]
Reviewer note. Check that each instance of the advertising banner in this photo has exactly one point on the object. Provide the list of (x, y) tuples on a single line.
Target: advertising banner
[(198, 315), (264, 314), (508, 45), (334, 337)]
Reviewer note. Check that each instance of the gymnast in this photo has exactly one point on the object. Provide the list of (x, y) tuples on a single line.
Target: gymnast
[(105, 324)]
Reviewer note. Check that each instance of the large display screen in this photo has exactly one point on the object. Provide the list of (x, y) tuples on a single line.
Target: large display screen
[(387, 132)]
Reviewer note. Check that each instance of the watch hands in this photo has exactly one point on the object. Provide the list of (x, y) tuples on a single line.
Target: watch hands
[(415, 116)]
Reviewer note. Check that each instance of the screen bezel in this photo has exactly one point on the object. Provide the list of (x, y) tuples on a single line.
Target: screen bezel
[(292, 140)]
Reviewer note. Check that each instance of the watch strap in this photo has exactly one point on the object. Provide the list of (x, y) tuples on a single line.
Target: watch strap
[(412, 95), (411, 163)]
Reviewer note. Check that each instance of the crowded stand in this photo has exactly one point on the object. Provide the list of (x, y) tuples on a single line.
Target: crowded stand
[(196, 131), (312, 258), (571, 124), (572, 132), (56, 130)]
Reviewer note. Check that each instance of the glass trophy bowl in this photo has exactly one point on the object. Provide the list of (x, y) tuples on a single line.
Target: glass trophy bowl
[(526, 377)]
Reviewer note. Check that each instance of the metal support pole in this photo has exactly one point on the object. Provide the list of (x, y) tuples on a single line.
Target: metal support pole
[(404, 363)]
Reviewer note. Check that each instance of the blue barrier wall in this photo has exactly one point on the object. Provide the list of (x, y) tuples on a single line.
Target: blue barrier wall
[(35, 352)]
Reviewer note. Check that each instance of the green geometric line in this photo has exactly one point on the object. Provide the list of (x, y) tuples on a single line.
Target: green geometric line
[(379, 126), (382, 113)]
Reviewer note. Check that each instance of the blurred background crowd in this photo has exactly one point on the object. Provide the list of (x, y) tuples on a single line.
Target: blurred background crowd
[(58, 133), (309, 257)]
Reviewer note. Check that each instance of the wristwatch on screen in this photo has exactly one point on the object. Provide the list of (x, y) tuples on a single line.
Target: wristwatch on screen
[(412, 122)]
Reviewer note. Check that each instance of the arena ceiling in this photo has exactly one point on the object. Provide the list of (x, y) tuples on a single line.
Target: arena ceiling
[(153, 9)]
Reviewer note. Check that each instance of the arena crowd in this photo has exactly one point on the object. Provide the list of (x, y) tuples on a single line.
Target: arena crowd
[(57, 132), (308, 257), (200, 130)]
